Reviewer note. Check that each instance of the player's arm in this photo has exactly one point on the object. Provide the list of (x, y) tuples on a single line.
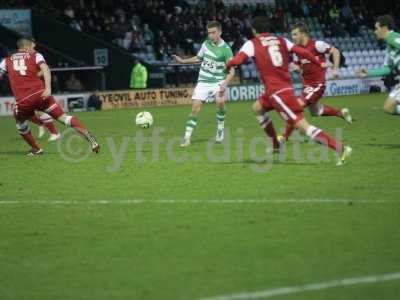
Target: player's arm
[(229, 77), (242, 56), (302, 53), (336, 61), (382, 71), (231, 72), (386, 69), (47, 79), (239, 59), (190, 60)]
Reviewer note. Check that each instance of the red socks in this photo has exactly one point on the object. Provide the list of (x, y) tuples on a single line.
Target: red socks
[(45, 121), (30, 140), (331, 111), (78, 126), (266, 124), (323, 138), (288, 130), (48, 123), (36, 120)]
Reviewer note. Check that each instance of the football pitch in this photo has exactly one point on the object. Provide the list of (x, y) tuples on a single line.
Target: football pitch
[(147, 220)]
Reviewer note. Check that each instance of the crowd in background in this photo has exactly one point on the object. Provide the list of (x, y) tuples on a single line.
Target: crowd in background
[(173, 26)]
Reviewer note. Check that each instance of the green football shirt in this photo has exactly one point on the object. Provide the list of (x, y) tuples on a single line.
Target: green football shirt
[(392, 64), (214, 60)]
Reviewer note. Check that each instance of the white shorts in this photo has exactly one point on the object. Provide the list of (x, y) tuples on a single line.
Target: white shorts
[(395, 93), (206, 92)]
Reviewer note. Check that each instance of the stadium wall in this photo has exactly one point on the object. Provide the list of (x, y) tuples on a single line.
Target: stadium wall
[(82, 47), (181, 96)]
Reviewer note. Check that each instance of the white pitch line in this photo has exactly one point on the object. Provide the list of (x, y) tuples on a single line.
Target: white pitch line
[(308, 287), (228, 201)]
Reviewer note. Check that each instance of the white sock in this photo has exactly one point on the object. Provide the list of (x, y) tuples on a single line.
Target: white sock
[(312, 131), (188, 132)]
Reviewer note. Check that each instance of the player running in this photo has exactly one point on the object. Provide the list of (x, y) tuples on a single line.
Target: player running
[(384, 26), (33, 94), (212, 81), (314, 76), (271, 56), (44, 120)]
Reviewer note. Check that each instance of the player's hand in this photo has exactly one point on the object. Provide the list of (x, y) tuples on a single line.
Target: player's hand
[(296, 68), (324, 65), (362, 73), (222, 88), (46, 93), (178, 59), (335, 73)]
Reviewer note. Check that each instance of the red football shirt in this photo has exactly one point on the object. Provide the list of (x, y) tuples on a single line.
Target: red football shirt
[(271, 56), (22, 68), (312, 73)]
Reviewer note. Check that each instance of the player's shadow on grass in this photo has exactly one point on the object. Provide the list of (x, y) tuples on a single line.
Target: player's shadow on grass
[(203, 140), (380, 145), (24, 153), (276, 161)]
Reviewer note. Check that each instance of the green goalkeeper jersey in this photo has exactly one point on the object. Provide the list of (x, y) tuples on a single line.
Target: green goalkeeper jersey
[(392, 64), (214, 60)]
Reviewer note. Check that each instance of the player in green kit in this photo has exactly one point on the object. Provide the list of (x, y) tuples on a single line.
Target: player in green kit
[(384, 31), (212, 81)]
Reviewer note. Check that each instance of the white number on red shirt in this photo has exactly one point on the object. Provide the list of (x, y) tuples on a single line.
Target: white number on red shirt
[(19, 66)]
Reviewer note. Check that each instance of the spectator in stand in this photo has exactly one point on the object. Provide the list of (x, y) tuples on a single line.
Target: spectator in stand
[(138, 76), (305, 9), (148, 35), (69, 14), (75, 24), (94, 103), (334, 13), (55, 86), (73, 84), (174, 25)]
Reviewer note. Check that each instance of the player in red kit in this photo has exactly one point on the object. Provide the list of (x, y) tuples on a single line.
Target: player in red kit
[(33, 94), (271, 56), (314, 77), (44, 120)]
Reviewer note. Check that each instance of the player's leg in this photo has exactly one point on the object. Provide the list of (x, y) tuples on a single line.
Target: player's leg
[(191, 122), (290, 109), (290, 125), (21, 118), (321, 137), (221, 113), (200, 94), (313, 94), (35, 119), (320, 110), (392, 103), (56, 112), (260, 109), (49, 124)]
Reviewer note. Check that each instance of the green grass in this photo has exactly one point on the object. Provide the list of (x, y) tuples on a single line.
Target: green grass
[(198, 247)]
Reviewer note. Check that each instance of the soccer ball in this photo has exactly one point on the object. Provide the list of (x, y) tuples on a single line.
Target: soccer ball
[(144, 119)]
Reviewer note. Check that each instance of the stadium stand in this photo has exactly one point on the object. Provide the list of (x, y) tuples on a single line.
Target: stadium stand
[(166, 27)]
